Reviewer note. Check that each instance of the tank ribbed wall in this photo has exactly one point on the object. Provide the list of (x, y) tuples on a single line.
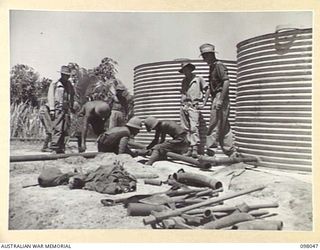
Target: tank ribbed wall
[(274, 99), (157, 89)]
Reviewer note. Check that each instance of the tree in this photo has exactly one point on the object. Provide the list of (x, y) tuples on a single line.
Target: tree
[(93, 82), (25, 85), (96, 83)]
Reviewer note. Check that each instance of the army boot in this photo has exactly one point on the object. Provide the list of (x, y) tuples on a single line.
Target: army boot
[(209, 151), (47, 140)]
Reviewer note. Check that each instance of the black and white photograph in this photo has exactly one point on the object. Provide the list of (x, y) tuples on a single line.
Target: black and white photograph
[(194, 120)]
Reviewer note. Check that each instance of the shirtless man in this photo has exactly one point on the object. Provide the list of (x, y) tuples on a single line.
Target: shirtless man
[(94, 113), (178, 144)]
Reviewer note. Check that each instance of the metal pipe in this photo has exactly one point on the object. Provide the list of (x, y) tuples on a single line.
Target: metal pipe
[(259, 213), (228, 221), (153, 182), (176, 223), (231, 209), (131, 143), (224, 160), (207, 161), (259, 225), (197, 180), (159, 216), (140, 209), (47, 157), (188, 160), (146, 176)]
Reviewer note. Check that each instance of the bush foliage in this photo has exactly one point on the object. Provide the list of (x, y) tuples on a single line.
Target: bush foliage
[(28, 91)]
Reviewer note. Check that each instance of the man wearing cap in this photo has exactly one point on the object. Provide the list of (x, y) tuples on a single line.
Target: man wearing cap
[(192, 90), (178, 143), (60, 101), (116, 139), (119, 109), (219, 131)]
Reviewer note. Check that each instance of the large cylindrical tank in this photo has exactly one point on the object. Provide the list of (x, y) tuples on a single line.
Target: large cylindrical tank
[(274, 98), (157, 91)]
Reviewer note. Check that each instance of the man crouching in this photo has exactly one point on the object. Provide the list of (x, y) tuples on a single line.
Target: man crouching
[(178, 144), (116, 139)]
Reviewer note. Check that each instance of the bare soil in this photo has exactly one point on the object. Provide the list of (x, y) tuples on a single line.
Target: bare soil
[(62, 208)]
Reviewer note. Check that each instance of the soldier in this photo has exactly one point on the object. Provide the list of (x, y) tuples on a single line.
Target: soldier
[(219, 131), (119, 107), (179, 143), (116, 139), (60, 100), (192, 91)]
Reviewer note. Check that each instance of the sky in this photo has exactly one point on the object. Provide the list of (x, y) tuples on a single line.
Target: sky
[(46, 40)]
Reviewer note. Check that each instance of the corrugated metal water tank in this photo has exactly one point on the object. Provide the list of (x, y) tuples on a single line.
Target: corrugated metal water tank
[(157, 91), (274, 99)]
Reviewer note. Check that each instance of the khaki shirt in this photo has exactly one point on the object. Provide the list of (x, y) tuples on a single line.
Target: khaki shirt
[(218, 74), (193, 90), (61, 97)]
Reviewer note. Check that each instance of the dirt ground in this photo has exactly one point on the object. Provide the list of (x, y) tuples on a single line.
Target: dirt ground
[(62, 208)]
